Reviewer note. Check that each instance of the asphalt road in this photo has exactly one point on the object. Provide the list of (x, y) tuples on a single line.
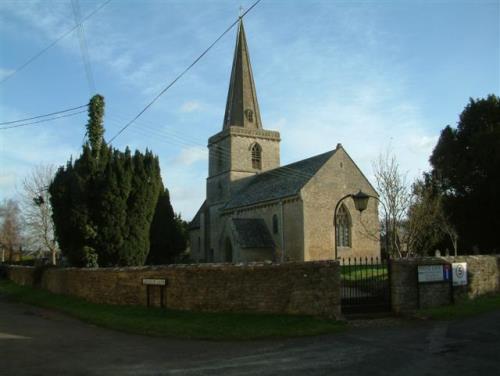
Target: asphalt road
[(39, 342)]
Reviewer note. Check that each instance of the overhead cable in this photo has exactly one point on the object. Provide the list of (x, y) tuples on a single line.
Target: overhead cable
[(42, 120), (182, 73), (52, 44), (41, 116)]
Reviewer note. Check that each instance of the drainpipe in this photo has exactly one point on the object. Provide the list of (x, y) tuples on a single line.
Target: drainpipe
[(282, 233)]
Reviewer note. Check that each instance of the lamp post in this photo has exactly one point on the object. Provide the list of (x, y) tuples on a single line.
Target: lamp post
[(360, 203)]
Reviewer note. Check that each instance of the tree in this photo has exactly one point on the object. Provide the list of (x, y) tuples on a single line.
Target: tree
[(466, 166), (168, 234), (104, 201), (396, 195), (427, 220), (10, 229), (37, 211)]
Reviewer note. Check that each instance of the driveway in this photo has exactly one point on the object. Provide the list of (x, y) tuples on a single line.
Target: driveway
[(34, 341)]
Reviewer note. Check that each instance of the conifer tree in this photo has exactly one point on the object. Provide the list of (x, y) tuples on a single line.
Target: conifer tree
[(103, 202)]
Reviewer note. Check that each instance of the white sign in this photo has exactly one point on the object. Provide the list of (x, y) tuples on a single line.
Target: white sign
[(154, 282), (459, 273), (431, 273)]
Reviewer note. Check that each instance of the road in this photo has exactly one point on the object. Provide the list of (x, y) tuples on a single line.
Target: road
[(34, 341)]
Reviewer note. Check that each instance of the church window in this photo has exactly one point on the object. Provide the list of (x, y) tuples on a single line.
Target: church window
[(256, 156), (343, 227), (275, 224)]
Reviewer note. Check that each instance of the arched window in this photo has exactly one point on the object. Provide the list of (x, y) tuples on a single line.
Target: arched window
[(343, 227), (256, 156), (275, 224)]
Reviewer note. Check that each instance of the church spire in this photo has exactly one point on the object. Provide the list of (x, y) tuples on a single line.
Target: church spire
[(242, 108)]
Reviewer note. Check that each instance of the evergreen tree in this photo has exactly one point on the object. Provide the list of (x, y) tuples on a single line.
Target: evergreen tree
[(466, 166), (103, 202)]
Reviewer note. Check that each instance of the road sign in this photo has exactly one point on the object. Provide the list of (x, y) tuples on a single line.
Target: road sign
[(459, 273)]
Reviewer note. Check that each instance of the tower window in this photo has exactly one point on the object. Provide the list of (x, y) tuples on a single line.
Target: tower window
[(256, 156), (249, 115), (343, 227)]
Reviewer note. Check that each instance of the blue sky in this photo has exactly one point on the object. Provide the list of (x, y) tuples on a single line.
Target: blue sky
[(367, 74)]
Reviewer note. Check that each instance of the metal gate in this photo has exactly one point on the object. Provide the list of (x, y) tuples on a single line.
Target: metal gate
[(365, 285)]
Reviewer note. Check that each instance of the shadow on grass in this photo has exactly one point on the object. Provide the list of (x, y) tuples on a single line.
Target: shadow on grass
[(170, 323), (462, 309)]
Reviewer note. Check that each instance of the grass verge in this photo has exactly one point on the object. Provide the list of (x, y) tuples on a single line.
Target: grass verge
[(169, 323), (462, 309)]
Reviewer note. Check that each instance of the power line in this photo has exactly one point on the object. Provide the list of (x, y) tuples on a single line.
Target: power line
[(40, 116), (42, 51), (182, 73), (42, 120), (83, 46)]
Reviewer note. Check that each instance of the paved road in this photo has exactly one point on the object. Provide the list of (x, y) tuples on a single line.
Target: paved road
[(39, 342)]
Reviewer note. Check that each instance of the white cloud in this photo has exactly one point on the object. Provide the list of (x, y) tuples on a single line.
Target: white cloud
[(190, 106), (191, 155), (5, 72)]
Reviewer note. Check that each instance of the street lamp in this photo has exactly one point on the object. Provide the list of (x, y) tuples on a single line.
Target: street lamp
[(360, 203)]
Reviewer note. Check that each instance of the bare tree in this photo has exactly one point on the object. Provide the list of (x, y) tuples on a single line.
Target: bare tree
[(37, 211), (10, 229), (396, 194)]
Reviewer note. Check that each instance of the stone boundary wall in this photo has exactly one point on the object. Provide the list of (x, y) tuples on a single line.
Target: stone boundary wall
[(483, 274), (310, 288)]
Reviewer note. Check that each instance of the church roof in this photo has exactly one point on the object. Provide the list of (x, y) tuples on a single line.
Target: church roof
[(278, 183), (252, 233), (195, 223), (242, 108)]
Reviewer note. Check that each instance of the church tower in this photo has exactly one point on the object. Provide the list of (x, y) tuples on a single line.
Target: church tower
[(243, 148)]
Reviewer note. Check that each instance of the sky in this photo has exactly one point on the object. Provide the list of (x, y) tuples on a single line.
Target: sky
[(371, 75)]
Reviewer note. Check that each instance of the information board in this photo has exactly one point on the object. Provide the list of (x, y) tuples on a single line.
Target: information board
[(434, 273), (459, 273)]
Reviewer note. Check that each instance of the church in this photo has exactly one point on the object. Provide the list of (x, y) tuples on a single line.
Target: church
[(257, 210)]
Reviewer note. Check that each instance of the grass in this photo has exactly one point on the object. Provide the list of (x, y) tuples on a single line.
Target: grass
[(169, 323), (462, 309), (360, 272)]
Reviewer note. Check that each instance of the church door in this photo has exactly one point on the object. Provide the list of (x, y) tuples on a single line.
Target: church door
[(228, 251)]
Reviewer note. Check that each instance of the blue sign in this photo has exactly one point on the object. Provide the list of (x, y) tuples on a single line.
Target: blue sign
[(446, 272)]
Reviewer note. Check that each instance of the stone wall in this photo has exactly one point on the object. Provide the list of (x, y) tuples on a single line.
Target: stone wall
[(311, 288), (483, 273)]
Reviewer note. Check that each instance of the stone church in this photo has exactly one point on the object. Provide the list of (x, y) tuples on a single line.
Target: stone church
[(257, 210)]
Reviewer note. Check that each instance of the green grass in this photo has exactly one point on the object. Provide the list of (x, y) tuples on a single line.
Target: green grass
[(462, 309), (169, 323), (358, 272)]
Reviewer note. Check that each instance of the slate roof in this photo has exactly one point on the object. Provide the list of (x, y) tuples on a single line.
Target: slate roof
[(252, 233), (278, 183)]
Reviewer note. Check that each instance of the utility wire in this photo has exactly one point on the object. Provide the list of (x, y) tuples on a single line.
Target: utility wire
[(83, 46), (62, 36), (182, 73), (40, 116), (41, 121)]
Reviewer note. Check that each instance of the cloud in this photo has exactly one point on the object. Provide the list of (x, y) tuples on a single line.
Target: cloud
[(191, 155), (5, 72), (190, 106)]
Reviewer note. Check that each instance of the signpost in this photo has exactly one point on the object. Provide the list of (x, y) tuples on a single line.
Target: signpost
[(151, 282)]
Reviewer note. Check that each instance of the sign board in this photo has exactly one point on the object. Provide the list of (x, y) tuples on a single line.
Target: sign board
[(434, 273), (154, 282), (459, 273)]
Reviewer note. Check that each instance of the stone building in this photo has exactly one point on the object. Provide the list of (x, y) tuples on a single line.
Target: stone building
[(257, 210)]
